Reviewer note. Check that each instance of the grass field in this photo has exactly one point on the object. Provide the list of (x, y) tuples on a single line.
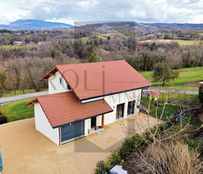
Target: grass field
[(180, 42), (15, 47), (11, 47), (186, 75), (171, 107), (17, 110), (201, 34)]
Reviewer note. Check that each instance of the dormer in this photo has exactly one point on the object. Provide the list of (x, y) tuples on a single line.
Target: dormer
[(57, 84)]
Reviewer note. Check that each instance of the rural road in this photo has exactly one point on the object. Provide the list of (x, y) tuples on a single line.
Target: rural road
[(24, 96), (173, 91), (20, 97), (177, 91)]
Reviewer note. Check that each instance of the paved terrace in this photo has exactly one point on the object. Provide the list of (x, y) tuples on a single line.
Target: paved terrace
[(26, 151)]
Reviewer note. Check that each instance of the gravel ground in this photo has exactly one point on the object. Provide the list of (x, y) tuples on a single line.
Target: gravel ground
[(26, 151)]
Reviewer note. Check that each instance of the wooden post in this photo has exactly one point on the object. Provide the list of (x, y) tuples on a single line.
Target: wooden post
[(102, 120)]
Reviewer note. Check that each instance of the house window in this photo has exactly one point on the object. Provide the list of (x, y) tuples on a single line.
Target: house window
[(131, 107), (120, 111), (68, 87), (60, 80)]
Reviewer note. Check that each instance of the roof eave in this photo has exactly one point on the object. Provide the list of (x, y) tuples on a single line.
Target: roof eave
[(32, 102), (82, 119), (89, 98), (50, 73)]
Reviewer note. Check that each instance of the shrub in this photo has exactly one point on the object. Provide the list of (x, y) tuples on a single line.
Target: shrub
[(93, 57), (113, 159), (136, 143), (3, 119), (196, 145), (168, 158), (200, 96), (101, 168)]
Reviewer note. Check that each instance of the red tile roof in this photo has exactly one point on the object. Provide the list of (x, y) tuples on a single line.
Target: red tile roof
[(89, 80), (63, 108)]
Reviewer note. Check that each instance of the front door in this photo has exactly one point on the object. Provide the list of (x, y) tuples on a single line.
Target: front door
[(120, 111), (93, 122)]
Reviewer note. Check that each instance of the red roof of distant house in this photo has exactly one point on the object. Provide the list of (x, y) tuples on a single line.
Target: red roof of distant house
[(89, 80), (63, 108), (154, 92)]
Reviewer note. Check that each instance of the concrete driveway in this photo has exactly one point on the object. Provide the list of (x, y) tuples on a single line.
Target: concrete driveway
[(26, 151)]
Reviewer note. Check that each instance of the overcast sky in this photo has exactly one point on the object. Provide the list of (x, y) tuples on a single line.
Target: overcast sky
[(68, 11)]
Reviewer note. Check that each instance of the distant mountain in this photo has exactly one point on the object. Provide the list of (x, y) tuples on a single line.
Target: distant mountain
[(30, 24), (140, 28), (34, 25), (177, 26)]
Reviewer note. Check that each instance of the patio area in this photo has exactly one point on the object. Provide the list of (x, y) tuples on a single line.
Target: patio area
[(27, 151)]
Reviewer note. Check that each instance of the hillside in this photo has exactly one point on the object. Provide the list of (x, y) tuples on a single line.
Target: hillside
[(142, 45)]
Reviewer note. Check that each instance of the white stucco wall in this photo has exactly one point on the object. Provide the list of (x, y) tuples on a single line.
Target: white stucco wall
[(87, 125), (119, 98), (99, 120), (42, 125), (125, 97), (54, 84)]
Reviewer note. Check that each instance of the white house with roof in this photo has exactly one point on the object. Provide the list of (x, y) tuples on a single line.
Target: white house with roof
[(85, 97)]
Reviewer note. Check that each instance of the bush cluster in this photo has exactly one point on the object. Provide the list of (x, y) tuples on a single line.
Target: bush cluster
[(137, 143), (200, 96), (3, 119)]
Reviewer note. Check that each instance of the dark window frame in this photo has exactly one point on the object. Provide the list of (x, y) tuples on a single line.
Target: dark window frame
[(129, 110), (69, 87), (60, 80)]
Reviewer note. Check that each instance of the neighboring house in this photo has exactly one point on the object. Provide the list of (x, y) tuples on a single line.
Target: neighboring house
[(17, 42), (85, 97)]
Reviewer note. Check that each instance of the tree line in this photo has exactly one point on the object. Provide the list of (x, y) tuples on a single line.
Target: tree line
[(22, 66)]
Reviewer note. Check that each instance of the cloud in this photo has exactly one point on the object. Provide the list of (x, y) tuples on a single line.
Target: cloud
[(184, 11)]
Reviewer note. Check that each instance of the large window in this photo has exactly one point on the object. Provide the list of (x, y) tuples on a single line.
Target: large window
[(131, 107), (120, 111)]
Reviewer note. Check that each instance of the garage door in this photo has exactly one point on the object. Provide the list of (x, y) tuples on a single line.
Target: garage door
[(72, 130)]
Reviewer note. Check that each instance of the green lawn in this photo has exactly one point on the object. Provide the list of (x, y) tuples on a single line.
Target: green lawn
[(186, 75), (17, 110), (171, 107), (178, 87)]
